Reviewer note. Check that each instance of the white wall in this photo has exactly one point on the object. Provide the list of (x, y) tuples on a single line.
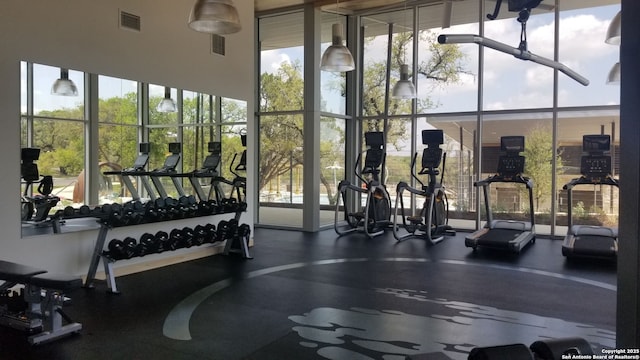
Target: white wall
[(85, 35)]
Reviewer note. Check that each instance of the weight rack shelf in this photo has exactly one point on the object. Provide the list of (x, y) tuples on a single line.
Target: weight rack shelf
[(108, 258)]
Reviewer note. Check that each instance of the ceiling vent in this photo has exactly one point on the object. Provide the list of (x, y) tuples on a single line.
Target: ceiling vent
[(217, 44), (129, 21)]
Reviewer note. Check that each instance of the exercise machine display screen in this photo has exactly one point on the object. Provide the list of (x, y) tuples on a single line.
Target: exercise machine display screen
[(512, 144), (596, 143), (432, 137), (374, 139)]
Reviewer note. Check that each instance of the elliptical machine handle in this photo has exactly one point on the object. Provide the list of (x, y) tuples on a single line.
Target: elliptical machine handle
[(46, 185)]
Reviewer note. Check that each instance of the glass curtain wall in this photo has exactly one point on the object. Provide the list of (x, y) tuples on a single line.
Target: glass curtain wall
[(517, 97), (588, 110), (281, 104)]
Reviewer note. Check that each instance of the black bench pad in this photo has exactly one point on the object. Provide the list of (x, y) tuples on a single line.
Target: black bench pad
[(64, 283), (18, 273)]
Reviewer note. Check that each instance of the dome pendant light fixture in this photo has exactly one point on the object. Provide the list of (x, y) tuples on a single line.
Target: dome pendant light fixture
[(614, 74), (614, 30), (214, 17), (613, 37), (64, 86), (337, 57), (404, 89), (167, 104)]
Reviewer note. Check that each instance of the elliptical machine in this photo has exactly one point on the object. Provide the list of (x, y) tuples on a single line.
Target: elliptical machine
[(375, 216), (35, 207), (431, 222)]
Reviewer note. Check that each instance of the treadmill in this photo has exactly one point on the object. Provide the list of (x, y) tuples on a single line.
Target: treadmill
[(168, 169), (510, 235), (591, 241), (209, 171), (137, 170)]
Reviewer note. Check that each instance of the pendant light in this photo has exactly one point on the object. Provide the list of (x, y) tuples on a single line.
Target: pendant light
[(404, 88), (167, 104), (64, 86), (613, 37), (614, 74), (337, 57), (214, 17), (614, 30)]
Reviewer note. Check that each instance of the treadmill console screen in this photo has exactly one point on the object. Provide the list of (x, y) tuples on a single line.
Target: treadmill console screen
[(215, 147), (175, 148), (596, 143), (141, 161), (511, 144), (211, 162)]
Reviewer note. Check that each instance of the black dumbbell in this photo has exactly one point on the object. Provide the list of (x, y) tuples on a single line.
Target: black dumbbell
[(243, 233), (69, 211), (222, 232), (176, 239), (147, 245), (212, 234), (188, 235), (116, 249), (150, 213), (162, 240), (84, 210), (214, 208), (199, 235), (130, 247), (204, 208)]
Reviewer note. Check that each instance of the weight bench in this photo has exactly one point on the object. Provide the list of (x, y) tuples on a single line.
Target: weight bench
[(43, 298)]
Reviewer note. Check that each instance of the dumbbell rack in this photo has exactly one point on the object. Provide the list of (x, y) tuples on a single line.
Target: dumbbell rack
[(108, 261)]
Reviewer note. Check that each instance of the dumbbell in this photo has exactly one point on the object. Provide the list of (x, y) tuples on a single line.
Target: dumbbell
[(176, 239), (84, 210), (199, 235), (115, 214), (148, 244), (222, 232), (161, 238), (116, 249), (212, 234), (150, 213), (69, 211), (130, 247), (186, 206), (188, 235), (204, 207), (242, 234), (215, 207)]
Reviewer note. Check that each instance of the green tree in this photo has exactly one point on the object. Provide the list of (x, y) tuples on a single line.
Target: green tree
[(539, 155)]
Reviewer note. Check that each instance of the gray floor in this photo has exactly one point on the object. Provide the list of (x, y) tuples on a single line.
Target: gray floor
[(319, 296)]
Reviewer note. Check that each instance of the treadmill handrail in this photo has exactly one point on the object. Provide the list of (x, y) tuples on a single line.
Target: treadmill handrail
[(499, 178), (583, 180)]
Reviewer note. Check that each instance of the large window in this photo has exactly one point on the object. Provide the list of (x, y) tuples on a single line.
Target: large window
[(121, 117), (54, 124)]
